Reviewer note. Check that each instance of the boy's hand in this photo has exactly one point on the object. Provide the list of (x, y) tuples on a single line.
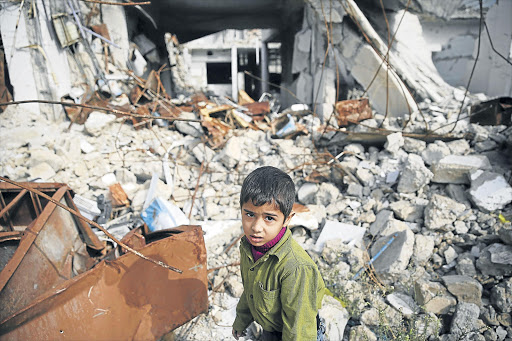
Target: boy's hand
[(236, 334)]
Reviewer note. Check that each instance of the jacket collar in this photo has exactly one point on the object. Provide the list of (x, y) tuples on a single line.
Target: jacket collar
[(279, 250)]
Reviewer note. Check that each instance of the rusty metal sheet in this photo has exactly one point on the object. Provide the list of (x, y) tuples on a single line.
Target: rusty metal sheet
[(49, 246), (353, 111), (125, 299)]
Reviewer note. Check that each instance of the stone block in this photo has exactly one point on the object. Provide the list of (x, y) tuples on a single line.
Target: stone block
[(465, 320), (442, 211), (494, 260), (423, 248), (406, 210), (455, 169), (414, 175), (433, 297), (435, 152), (306, 193), (335, 316), (465, 288), (489, 191), (395, 258), (97, 121)]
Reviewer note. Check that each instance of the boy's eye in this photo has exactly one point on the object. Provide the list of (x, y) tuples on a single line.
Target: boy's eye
[(269, 218), (249, 214)]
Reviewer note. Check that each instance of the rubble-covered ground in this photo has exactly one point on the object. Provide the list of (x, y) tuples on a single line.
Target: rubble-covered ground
[(441, 208)]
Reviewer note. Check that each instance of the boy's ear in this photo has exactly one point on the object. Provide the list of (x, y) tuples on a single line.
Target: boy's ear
[(287, 220)]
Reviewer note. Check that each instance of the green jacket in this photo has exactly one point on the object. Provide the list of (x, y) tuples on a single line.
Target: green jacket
[(283, 290)]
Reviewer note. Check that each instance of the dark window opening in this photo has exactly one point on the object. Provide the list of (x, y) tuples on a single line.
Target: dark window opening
[(218, 73)]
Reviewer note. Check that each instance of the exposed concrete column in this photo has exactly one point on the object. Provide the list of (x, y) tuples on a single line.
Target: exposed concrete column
[(234, 73), (264, 68)]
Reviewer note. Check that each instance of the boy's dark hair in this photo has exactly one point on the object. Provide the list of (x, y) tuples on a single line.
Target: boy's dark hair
[(269, 185)]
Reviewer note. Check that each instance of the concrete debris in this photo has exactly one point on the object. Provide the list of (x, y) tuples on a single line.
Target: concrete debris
[(465, 288), (441, 212), (414, 176), (391, 189), (490, 191), (464, 321), (336, 317), (456, 169)]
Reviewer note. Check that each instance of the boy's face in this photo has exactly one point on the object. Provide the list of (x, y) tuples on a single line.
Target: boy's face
[(262, 223)]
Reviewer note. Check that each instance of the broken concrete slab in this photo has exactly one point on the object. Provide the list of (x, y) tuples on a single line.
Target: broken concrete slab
[(333, 230), (456, 169), (394, 142), (501, 295), (306, 193), (465, 320), (423, 248), (489, 191), (494, 260), (380, 222), (336, 317), (435, 152), (414, 176), (394, 259), (403, 303), (97, 121), (441, 212), (407, 211), (434, 297), (465, 288)]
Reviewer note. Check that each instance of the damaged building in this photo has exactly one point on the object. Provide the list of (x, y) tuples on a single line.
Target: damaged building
[(127, 128)]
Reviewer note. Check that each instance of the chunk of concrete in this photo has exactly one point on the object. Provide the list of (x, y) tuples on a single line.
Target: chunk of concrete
[(433, 297), (335, 316), (327, 193), (465, 288), (406, 210), (442, 211), (435, 152), (403, 303), (231, 154), (414, 176), (42, 172), (305, 219), (494, 260), (40, 155), (395, 258), (306, 193), (380, 222), (501, 295), (423, 248), (455, 169), (413, 145), (394, 142), (335, 230), (489, 191), (458, 147), (97, 121), (465, 320)]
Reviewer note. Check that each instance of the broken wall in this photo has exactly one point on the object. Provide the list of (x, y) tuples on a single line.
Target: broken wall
[(39, 67)]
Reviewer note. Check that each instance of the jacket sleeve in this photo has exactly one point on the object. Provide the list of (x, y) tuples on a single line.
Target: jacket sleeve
[(243, 314), (300, 293)]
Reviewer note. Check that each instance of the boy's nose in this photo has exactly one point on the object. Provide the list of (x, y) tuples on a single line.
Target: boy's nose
[(257, 226)]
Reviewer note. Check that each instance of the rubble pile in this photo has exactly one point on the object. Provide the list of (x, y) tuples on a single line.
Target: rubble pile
[(442, 208), (406, 209)]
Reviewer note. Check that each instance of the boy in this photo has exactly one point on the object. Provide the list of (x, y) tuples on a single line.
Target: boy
[(283, 288)]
